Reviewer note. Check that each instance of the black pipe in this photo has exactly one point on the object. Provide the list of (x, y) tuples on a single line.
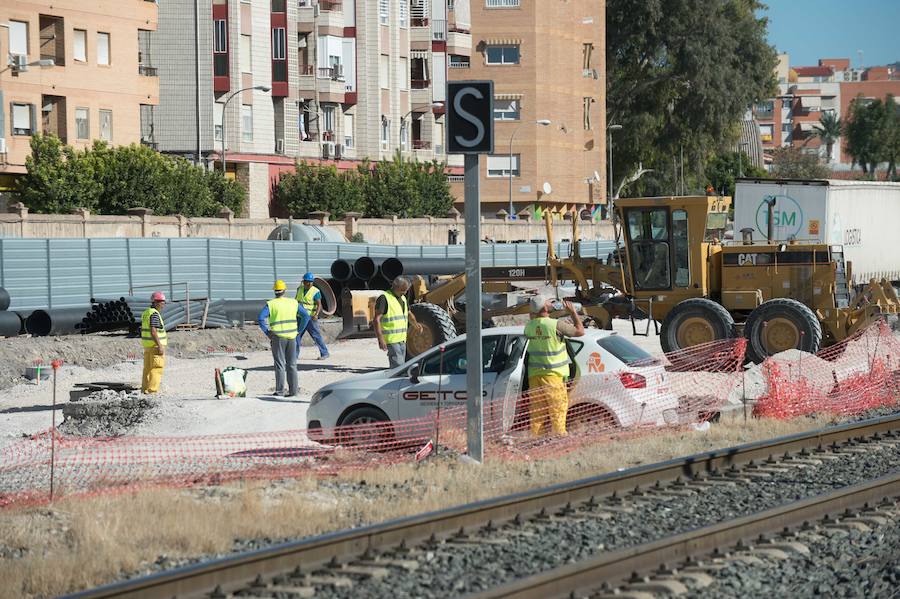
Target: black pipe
[(4, 299), (10, 325), (355, 283), (366, 268), (61, 321), (379, 283), (394, 267), (341, 270)]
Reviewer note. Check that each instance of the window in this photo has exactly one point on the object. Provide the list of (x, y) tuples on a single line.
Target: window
[(587, 113), (278, 5), (106, 125), (587, 51), (499, 166), (18, 37), (681, 248), (246, 54), (82, 123), (765, 132), (384, 71), (218, 111), (247, 123), (102, 48), (506, 110), (348, 130), (404, 135), (220, 43), (384, 11), (625, 350), (23, 119), (328, 119), (80, 44), (649, 236), (404, 70), (453, 360), (438, 138), (404, 14), (458, 61), (385, 132), (278, 44), (502, 54), (501, 3)]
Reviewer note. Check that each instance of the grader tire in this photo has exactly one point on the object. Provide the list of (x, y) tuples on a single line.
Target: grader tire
[(781, 324), (438, 329), (695, 321)]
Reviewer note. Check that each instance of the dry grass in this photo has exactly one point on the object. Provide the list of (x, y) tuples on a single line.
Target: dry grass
[(78, 543)]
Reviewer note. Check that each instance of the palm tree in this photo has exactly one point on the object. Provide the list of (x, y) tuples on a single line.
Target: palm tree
[(828, 131)]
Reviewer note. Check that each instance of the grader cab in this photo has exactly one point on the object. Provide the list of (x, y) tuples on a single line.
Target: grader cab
[(778, 294)]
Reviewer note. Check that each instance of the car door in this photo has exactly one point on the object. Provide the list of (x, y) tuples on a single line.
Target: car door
[(442, 378), (507, 389)]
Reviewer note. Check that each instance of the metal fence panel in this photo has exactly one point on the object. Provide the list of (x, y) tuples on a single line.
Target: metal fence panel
[(59, 273)]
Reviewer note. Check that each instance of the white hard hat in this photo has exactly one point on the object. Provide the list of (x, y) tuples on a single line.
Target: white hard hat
[(537, 303)]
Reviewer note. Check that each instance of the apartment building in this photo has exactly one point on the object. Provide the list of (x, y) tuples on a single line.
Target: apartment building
[(806, 93), (330, 81), (75, 69), (547, 61)]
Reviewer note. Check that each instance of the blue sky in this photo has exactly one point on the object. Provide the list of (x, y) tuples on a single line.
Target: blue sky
[(813, 29)]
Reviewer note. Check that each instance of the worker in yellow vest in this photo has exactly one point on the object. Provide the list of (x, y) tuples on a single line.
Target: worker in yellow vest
[(280, 319), (548, 365), (154, 340), (310, 298), (392, 318)]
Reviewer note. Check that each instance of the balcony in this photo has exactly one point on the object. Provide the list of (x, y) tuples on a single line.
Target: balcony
[(501, 3), (421, 144), (147, 71), (419, 83), (329, 81), (458, 62), (460, 43), (330, 14), (439, 30)]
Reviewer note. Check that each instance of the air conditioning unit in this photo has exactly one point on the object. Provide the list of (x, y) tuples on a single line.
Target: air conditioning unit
[(18, 62), (327, 150), (338, 151), (337, 72), (279, 146)]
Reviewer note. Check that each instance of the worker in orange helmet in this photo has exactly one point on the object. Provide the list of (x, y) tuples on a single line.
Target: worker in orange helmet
[(154, 340)]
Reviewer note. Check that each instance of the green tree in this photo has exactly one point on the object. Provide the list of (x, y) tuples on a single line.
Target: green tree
[(891, 150), (680, 75), (112, 180), (864, 130), (794, 163), (723, 169), (312, 188), (828, 131)]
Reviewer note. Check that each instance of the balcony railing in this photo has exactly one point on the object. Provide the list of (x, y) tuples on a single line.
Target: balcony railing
[(146, 71), (421, 144), (501, 3), (307, 69), (419, 83), (458, 64), (325, 5), (419, 21), (439, 30), (333, 73)]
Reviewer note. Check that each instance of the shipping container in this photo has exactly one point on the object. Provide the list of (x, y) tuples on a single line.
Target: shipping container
[(861, 216)]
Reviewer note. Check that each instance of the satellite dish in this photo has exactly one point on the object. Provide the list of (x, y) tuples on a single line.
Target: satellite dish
[(547, 188), (596, 176)]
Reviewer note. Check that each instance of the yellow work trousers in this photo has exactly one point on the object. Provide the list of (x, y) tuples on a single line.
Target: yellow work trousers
[(154, 363), (547, 398)]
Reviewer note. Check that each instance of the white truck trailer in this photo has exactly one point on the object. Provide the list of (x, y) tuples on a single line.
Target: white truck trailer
[(861, 216)]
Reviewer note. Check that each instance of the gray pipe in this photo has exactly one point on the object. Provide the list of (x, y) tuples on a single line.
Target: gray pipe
[(10, 325), (394, 267), (62, 321), (341, 270), (4, 299)]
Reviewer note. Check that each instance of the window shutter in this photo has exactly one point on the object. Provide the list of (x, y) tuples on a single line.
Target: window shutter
[(2, 116), (33, 113)]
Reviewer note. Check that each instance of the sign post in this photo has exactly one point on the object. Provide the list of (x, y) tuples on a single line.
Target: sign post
[(470, 131)]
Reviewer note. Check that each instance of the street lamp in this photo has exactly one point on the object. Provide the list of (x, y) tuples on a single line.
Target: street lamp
[(262, 88), (609, 143), (437, 104), (542, 122)]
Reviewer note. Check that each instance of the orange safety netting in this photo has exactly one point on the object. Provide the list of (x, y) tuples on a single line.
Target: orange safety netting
[(675, 390), (848, 378)]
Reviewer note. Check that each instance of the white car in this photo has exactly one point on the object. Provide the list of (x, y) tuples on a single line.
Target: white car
[(612, 380)]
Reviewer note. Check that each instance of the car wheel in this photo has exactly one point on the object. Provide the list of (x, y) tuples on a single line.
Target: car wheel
[(366, 427), (590, 417)]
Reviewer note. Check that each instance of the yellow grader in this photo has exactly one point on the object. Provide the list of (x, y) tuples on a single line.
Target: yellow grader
[(674, 269)]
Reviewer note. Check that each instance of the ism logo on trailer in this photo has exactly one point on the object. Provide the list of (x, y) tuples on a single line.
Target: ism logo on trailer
[(787, 217)]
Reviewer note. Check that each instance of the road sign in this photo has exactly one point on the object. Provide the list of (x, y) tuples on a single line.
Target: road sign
[(470, 117)]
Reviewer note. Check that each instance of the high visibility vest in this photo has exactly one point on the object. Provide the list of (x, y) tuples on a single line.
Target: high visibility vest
[(393, 322), (283, 317), (547, 354), (307, 298), (146, 336)]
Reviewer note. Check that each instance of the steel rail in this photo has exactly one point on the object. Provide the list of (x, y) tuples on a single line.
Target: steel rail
[(614, 567), (232, 572)]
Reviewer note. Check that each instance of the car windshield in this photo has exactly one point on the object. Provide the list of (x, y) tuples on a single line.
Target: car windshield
[(625, 350)]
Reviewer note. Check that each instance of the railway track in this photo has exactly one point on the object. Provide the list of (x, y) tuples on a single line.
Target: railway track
[(519, 545)]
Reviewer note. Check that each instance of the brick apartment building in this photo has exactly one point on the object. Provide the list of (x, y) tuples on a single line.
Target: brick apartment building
[(806, 93), (547, 61), (338, 81), (76, 72)]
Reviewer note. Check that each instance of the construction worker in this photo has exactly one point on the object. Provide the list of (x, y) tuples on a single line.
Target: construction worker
[(310, 298), (280, 319), (548, 365), (392, 316), (154, 340)]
